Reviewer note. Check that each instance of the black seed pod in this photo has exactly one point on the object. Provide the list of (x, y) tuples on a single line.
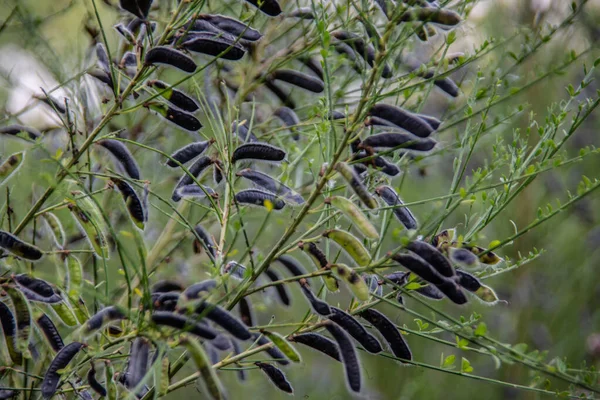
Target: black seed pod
[(107, 314), (18, 247), (103, 77), (365, 50), (207, 240), (356, 330), (225, 319), (132, 201), (165, 286), (36, 289), (6, 394), (242, 131), (402, 213), (281, 95), (376, 121), (292, 265), (102, 55), (468, 281), (349, 356), (356, 184), (50, 332), (289, 119), (61, 361), (94, 384), (166, 301), (299, 79), (232, 26), (14, 130), (169, 56), (9, 327), (315, 252), (195, 191), (381, 163), (453, 292), (259, 198), (318, 305), (270, 184), (269, 7), (273, 351), (431, 292), (402, 118), (463, 257), (433, 256), (180, 118), (389, 331), (214, 44), (246, 314), (139, 8), (137, 367), (432, 121), (319, 343), (195, 170), (314, 65), (218, 171), (194, 291), (258, 152), (276, 376), (396, 139), (282, 292), (420, 267), (123, 156), (176, 97), (302, 13), (221, 342), (183, 323)]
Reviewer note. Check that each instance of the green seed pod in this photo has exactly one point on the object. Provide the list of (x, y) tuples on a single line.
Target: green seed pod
[(207, 372), (23, 317), (65, 313), (11, 165), (319, 259), (355, 183), (355, 283), (89, 218), (283, 345), (55, 228), (9, 327), (111, 386), (18, 247), (75, 276), (487, 295), (274, 352), (349, 209), (79, 308), (350, 244), (162, 384)]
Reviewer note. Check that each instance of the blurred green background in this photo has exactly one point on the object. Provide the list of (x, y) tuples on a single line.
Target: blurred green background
[(552, 302)]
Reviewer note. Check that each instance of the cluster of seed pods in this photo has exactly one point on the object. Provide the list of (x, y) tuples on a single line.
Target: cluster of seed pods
[(190, 314)]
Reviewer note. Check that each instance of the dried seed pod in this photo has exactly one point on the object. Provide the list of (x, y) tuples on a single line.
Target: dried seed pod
[(9, 328), (318, 305), (356, 330), (123, 156), (207, 241), (274, 352), (232, 26), (218, 172), (103, 59), (165, 301), (94, 384), (259, 198), (463, 257), (389, 331), (350, 244), (353, 213), (234, 270), (348, 355), (224, 319), (55, 228), (257, 151), (180, 118), (354, 281), (132, 201), (292, 265), (246, 313), (302, 13), (403, 214), (281, 95), (188, 153), (169, 56), (431, 14), (272, 185), (419, 267), (101, 318), (198, 289), (453, 292), (194, 170), (378, 162), (214, 44), (355, 184), (36, 289), (22, 317), (175, 97), (165, 286), (18, 247), (365, 50), (432, 121), (319, 343), (11, 165), (282, 291), (468, 281), (299, 79), (93, 226), (402, 118), (15, 130), (137, 366), (182, 323), (60, 362), (269, 7), (489, 258), (320, 261), (221, 342), (289, 119), (444, 237), (398, 140), (194, 191), (487, 295), (276, 376), (282, 344), (139, 8), (209, 376), (127, 35), (240, 130), (314, 64), (433, 256)]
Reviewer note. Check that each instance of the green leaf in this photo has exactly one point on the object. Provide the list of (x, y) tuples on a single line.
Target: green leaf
[(481, 329), (449, 362), (465, 366)]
